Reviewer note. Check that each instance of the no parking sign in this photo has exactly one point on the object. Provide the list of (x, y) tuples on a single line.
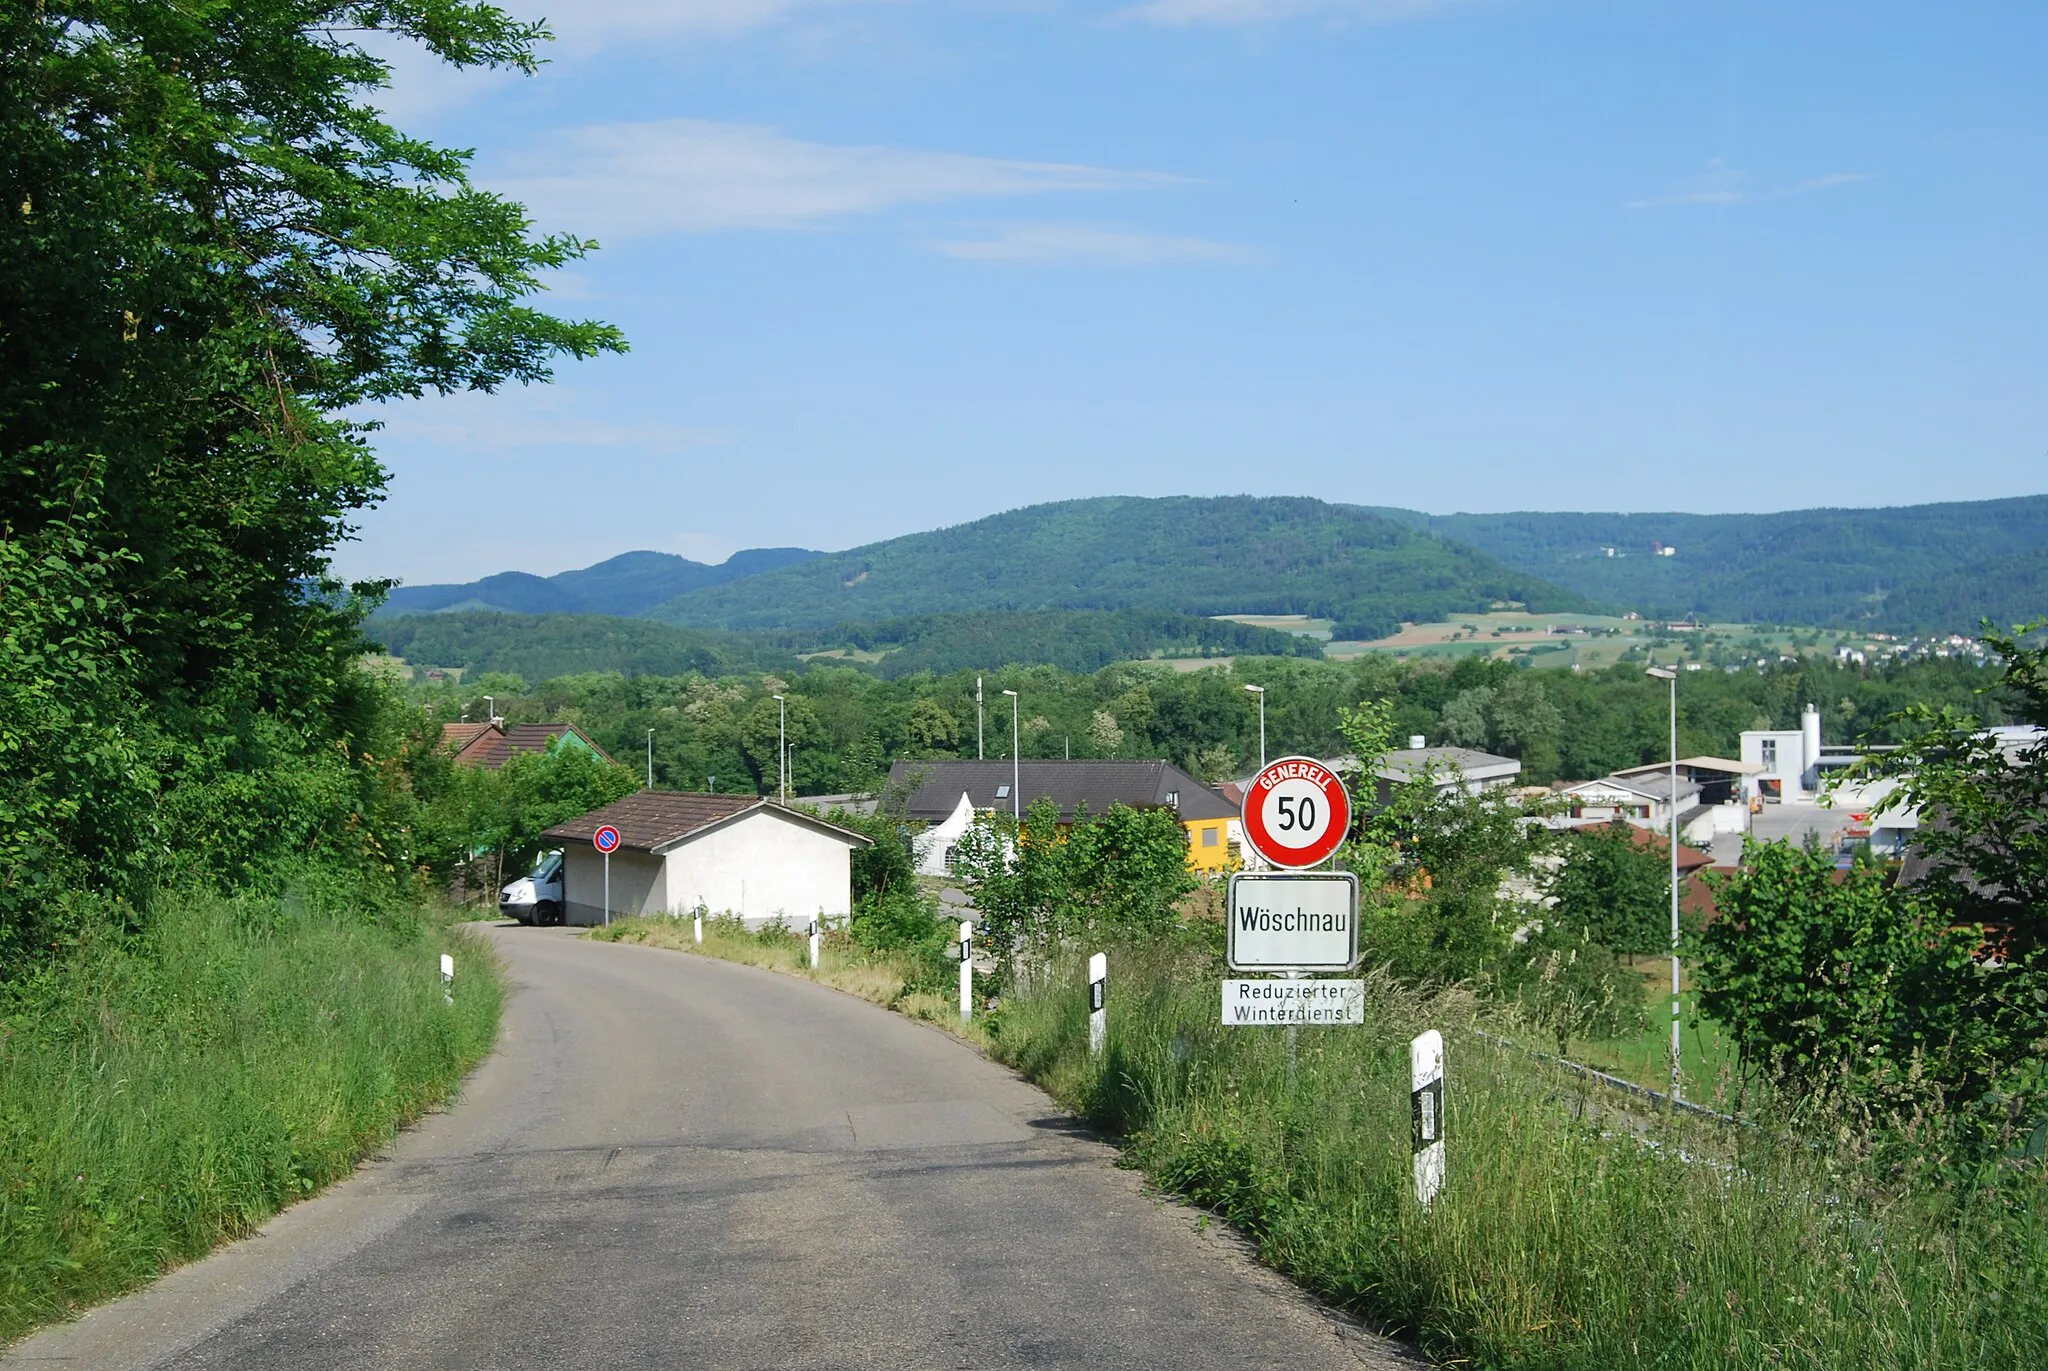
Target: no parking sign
[(606, 840)]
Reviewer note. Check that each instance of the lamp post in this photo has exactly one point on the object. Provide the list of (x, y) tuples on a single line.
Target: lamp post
[(781, 747), (979, 754), (1671, 678), (1016, 767), (650, 759), (1260, 691)]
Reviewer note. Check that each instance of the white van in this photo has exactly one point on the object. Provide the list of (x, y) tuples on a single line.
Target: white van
[(536, 897)]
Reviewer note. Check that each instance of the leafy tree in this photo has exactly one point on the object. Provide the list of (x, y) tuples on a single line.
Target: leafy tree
[(1984, 839), (1104, 735), (1040, 885), (210, 249), (932, 729), (1614, 890), (1464, 721), (1836, 986)]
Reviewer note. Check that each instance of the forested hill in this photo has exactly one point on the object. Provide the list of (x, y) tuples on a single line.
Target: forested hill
[(1910, 568), (538, 647), (629, 584), (1238, 554)]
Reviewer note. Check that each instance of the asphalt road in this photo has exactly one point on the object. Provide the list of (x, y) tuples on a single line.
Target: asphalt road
[(675, 1162)]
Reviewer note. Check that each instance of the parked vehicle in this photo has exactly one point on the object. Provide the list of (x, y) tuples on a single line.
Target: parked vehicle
[(536, 897)]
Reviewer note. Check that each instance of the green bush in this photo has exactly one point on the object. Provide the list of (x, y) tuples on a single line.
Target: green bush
[(162, 1093)]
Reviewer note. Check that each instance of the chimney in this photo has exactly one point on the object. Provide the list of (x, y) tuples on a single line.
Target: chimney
[(1417, 742)]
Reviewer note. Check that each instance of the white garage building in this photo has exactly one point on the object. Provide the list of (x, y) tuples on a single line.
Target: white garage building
[(730, 854)]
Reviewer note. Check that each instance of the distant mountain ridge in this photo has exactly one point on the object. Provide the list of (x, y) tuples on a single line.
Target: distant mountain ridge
[(1203, 556), (1906, 568), (624, 586)]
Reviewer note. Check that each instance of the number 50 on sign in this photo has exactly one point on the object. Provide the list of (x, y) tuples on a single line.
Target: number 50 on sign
[(1296, 812)]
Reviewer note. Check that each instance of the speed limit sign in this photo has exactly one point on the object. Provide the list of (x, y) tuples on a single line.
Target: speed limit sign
[(1296, 812)]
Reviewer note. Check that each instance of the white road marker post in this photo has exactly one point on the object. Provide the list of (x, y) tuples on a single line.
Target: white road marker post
[(814, 942), (1098, 1011), (1426, 1109), (697, 920), (966, 970), (447, 978)]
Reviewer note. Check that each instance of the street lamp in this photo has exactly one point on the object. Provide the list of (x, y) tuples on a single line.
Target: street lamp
[(1671, 677), (781, 747), (1016, 767), (1260, 691), (650, 759)]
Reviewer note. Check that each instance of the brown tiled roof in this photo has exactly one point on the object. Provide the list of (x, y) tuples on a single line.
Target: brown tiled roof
[(655, 820), (492, 752), (1689, 858), (1098, 785), (456, 737)]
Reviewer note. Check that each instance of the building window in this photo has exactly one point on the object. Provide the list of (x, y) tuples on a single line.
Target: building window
[(1770, 753), (1210, 837)]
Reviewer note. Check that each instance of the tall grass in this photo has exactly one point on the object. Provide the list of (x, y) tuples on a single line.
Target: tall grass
[(162, 1093), (1568, 1235)]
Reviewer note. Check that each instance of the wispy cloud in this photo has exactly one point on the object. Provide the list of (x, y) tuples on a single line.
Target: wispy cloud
[(618, 181), (553, 418), (1088, 245), (1720, 184), (1187, 13), (593, 23)]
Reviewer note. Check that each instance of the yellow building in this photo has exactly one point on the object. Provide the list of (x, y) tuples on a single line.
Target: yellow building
[(947, 795)]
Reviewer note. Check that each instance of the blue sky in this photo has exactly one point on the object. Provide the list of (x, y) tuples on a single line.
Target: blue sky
[(888, 265)]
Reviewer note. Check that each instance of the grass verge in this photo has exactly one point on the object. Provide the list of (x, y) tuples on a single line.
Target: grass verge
[(162, 1094), (1569, 1235), (914, 984)]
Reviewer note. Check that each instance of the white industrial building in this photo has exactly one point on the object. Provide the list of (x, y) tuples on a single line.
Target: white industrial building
[(737, 855)]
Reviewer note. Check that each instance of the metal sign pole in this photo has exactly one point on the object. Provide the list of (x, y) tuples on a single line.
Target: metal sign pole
[(607, 890)]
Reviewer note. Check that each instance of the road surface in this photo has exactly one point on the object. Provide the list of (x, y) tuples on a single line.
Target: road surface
[(674, 1162)]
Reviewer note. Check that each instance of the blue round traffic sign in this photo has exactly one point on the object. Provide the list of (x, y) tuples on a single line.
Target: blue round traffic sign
[(606, 839)]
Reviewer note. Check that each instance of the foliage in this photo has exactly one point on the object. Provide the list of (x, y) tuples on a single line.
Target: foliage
[(1235, 555), (1982, 854), (472, 812), (1614, 889), (1039, 885), (540, 647), (1445, 907), (1832, 984), (162, 1093), (210, 249)]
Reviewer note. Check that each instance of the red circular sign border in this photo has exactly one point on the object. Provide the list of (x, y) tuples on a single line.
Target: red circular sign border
[(616, 840), (1332, 786)]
